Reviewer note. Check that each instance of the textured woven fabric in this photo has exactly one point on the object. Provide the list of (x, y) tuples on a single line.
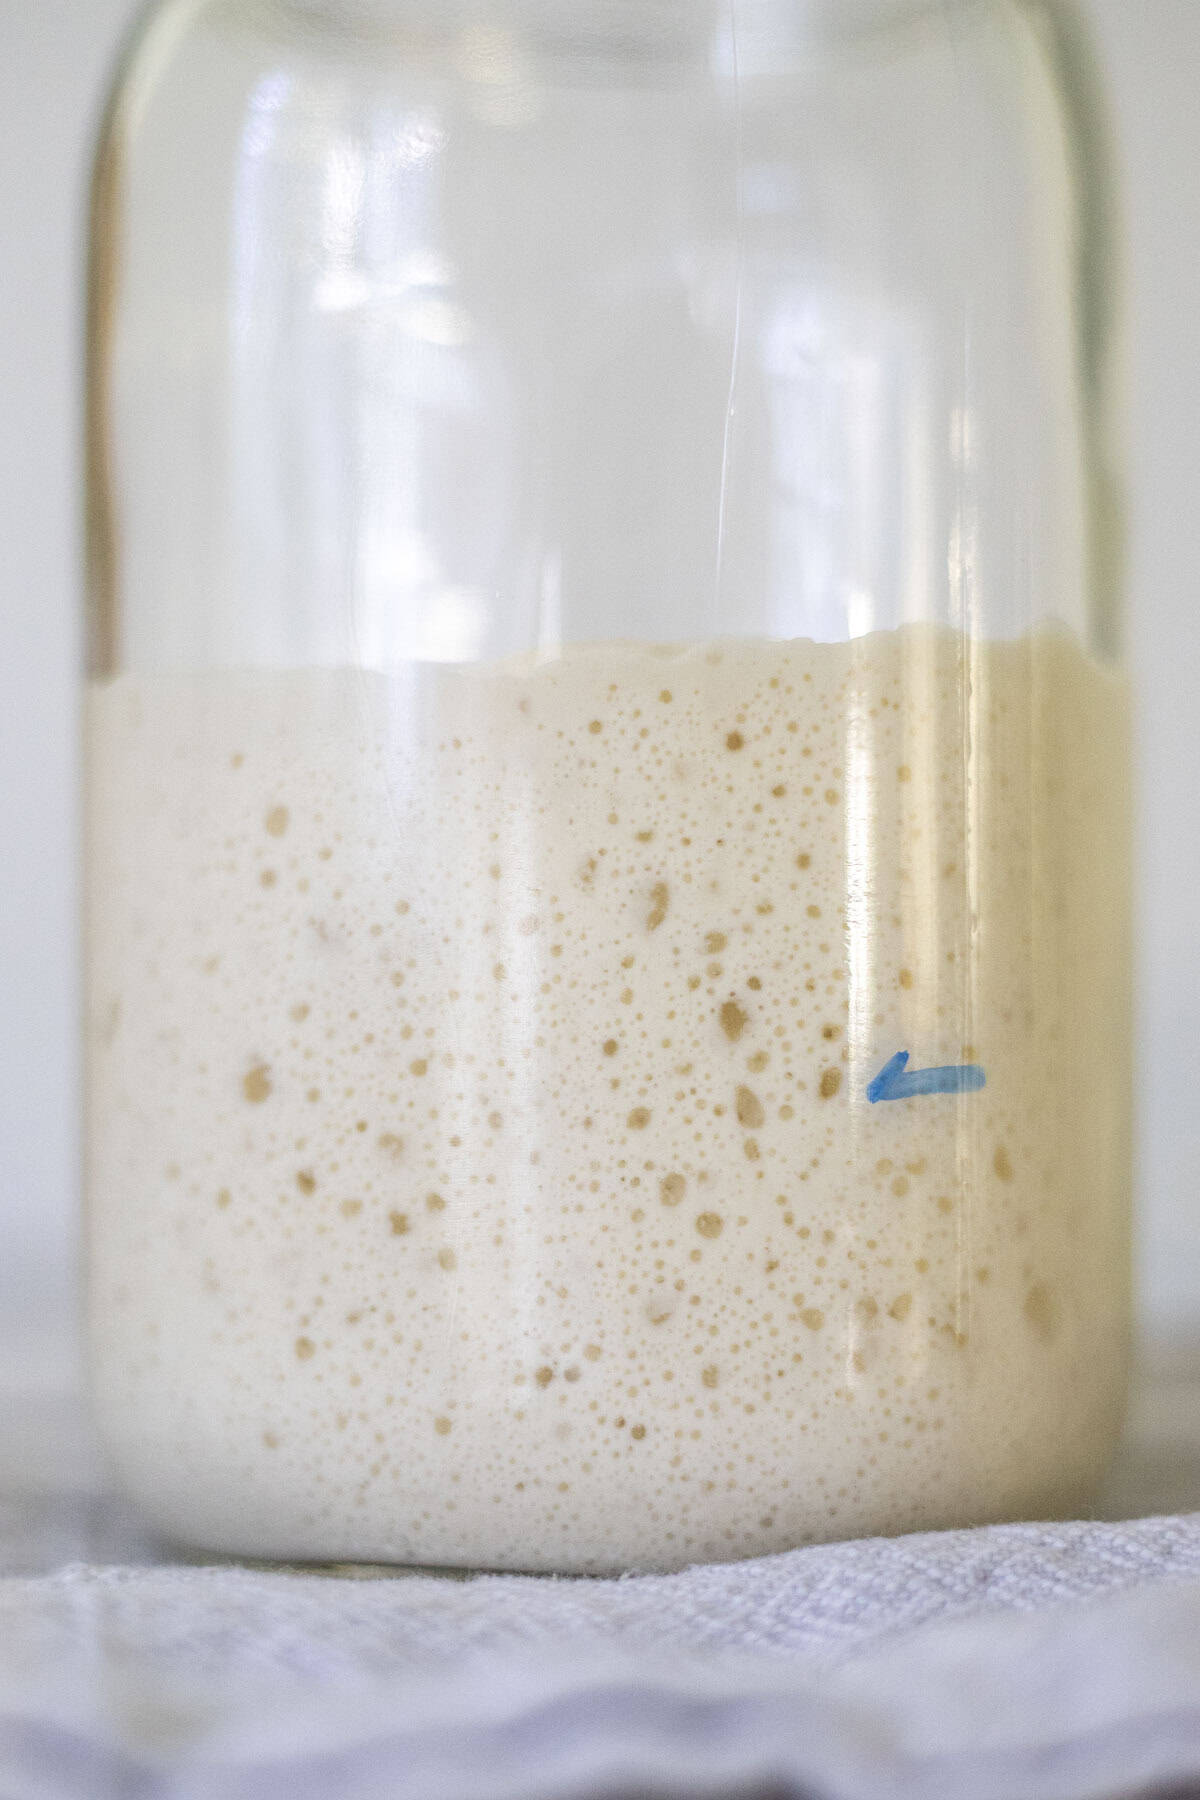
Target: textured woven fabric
[(1004, 1664), (1028, 1662)]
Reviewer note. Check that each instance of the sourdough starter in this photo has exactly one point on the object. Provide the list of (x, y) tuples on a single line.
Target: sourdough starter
[(480, 1164)]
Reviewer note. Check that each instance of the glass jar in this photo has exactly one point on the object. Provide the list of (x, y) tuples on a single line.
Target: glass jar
[(608, 778)]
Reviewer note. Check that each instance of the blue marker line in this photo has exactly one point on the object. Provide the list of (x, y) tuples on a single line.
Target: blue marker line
[(893, 1083)]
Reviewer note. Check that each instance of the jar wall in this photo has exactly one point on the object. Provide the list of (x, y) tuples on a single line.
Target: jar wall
[(608, 842), (452, 335)]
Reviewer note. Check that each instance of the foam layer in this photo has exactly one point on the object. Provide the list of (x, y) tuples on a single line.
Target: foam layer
[(480, 1165)]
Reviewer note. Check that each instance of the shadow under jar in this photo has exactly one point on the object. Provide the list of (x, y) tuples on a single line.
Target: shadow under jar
[(608, 854)]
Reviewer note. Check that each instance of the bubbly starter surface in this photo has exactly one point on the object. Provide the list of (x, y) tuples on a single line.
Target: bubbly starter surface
[(480, 1163)]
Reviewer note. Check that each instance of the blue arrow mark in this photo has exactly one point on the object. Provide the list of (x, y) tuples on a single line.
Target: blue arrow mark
[(893, 1083)]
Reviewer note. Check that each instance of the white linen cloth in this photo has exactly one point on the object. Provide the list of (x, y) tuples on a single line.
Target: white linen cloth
[(1026, 1662)]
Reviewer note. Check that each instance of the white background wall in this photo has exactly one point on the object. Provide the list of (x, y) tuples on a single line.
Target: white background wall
[(54, 55)]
